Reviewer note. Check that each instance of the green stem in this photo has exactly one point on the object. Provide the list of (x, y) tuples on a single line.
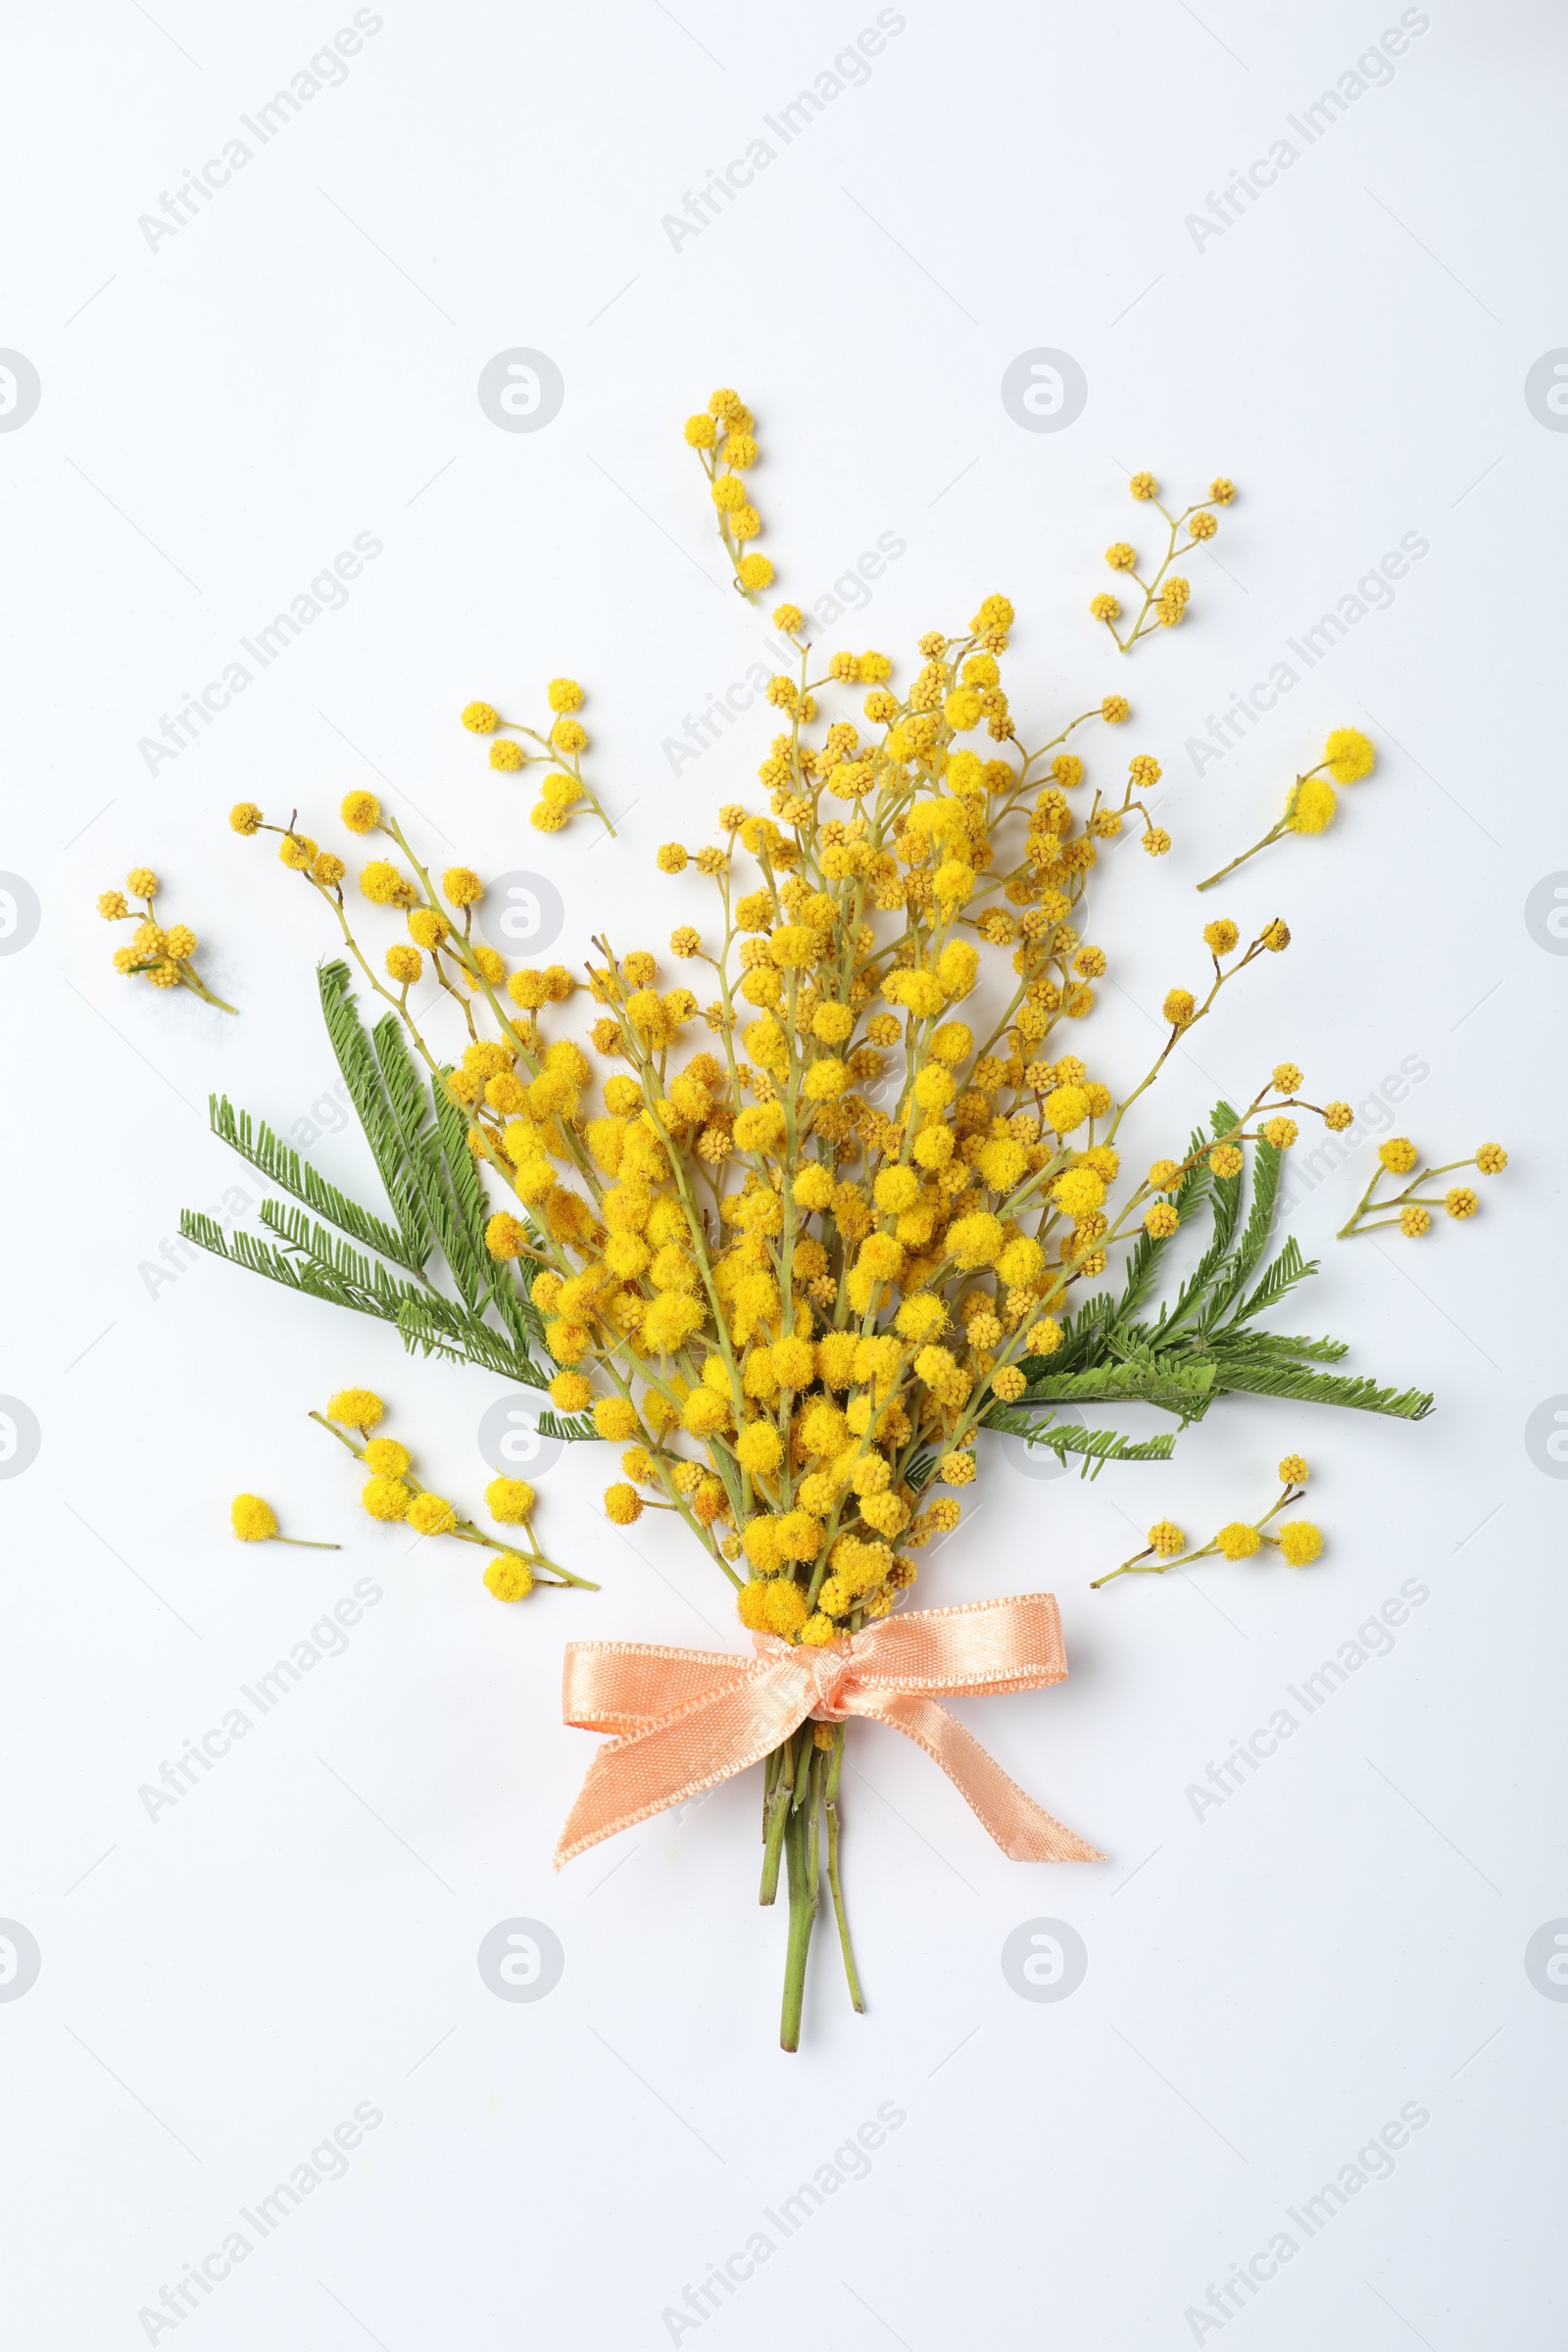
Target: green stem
[(1275, 835), (831, 1805), (189, 980), (776, 1817), (303, 1544), (802, 1919)]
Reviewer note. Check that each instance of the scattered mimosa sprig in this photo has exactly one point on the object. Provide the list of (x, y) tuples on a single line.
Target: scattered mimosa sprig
[(725, 441), (1410, 1209), (1310, 806), (560, 750), (1298, 1540), (1166, 593), (393, 1494), (164, 958)]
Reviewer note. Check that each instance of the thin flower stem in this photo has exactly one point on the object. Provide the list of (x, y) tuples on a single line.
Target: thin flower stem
[(830, 1804), (1272, 836), (189, 979), (302, 1543)]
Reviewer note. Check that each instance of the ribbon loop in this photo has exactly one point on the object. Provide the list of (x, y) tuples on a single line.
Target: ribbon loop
[(685, 1719)]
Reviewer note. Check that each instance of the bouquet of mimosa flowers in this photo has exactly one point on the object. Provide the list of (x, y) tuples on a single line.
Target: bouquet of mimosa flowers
[(806, 1197)]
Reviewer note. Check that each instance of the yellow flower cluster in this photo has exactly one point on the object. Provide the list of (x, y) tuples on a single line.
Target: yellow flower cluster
[(1312, 804), (561, 744), (162, 956), (393, 1494), (1408, 1208), (1298, 1540), (1166, 593), (791, 1271), (724, 437)]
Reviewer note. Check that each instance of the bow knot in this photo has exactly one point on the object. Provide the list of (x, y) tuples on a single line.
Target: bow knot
[(685, 1719)]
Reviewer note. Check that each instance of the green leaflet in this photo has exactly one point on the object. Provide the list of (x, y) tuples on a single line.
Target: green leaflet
[(1202, 1344), (420, 1142)]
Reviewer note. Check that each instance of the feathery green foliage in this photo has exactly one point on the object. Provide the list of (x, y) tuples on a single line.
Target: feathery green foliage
[(1199, 1346), (420, 1144)]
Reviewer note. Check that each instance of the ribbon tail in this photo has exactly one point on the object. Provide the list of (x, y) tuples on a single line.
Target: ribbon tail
[(693, 1747), (1024, 1831)]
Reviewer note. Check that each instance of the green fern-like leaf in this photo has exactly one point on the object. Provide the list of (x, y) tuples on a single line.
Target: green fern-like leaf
[(282, 1165)]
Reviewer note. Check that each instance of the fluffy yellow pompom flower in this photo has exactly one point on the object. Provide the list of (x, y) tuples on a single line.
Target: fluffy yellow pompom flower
[(1238, 1541), (360, 812), (356, 1408), (1399, 1155), (623, 1505), (245, 818), (253, 1520), (509, 1578), (509, 1500), (431, 1515), (1180, 1008), (1160, 1220), (386, 1457), (481, 718), (1349, 756), (1079, 1192), (1312, 806), (1301, 1542), (386, 1499)]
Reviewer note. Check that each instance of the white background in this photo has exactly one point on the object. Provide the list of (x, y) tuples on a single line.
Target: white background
[(1269, 1982)]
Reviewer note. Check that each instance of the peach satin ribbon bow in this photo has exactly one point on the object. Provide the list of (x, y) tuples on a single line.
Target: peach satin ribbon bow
[(685, 1719)]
